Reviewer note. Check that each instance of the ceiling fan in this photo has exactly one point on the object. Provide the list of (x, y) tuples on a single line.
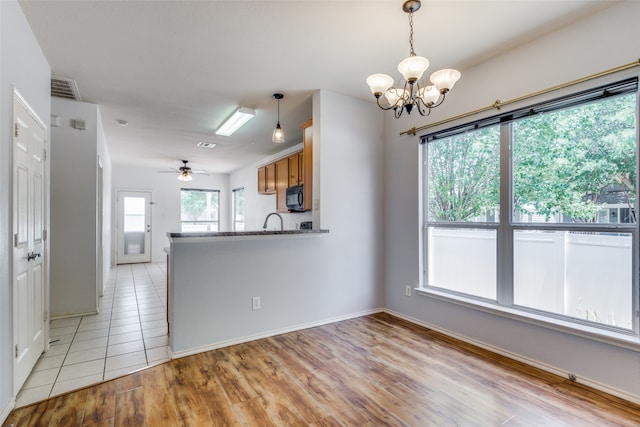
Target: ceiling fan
[(185, 172)]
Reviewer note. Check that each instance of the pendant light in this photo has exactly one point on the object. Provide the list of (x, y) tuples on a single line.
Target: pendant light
[(278, 133)]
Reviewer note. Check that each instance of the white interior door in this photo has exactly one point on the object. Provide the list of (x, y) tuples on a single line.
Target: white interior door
[(134, 226), (29, 207)]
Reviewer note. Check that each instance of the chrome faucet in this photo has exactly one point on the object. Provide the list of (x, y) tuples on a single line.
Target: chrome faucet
[(264, 226)]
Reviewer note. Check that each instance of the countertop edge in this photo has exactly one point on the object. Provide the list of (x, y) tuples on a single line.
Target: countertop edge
[(241, 235)]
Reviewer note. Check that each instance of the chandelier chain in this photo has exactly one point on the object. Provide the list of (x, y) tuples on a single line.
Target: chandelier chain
[(411, 52)]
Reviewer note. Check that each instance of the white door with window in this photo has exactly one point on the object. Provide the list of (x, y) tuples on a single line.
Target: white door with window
[(134, 226), (29, 216)]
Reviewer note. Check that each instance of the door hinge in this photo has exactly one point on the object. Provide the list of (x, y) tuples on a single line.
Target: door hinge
[(15, 240), (44, 154), (17, 130), (17, 352), (44, 235), (45, 315)]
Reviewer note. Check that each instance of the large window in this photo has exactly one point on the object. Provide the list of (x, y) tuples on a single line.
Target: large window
[(199, 209), (238, 209), (535, 209)]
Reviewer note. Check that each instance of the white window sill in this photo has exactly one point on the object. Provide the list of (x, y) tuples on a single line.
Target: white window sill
[(619, 339)]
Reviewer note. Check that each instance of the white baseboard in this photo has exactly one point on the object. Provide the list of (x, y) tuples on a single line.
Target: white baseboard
[(531, 362), (267, 334), (7, 410), (67, 316)]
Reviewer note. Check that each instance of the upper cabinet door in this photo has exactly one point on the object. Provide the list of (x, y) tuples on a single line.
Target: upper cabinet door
[(294, 170), (282, 183)]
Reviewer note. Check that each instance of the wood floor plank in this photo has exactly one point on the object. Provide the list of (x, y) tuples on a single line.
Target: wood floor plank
[(159, 407), (368, 371), (130, 408), (213, 392), (185, 382), (100, 404), (69, 409)]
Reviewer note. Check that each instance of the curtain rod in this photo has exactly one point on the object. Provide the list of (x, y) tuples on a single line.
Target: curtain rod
[(498, 104)]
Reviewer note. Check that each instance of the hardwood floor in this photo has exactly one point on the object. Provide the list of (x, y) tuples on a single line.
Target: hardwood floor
[(374, 370)]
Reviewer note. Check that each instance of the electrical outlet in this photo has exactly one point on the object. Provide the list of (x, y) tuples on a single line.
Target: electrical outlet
[(407, 290), (255, 303)]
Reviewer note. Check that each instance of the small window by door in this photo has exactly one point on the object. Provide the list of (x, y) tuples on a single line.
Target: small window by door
[(238, 209)]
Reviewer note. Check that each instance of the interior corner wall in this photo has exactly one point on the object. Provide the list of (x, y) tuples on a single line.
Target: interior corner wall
[(348, 178), (104, 160), (165, 211), (73, 231), (573, 52), (23, 66)]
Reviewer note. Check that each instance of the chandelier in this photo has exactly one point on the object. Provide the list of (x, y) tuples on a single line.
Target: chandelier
[(413, 93)]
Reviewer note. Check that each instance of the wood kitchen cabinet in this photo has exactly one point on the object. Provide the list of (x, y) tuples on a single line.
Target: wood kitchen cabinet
[(267, 179), (296, 169), (282, 183), (262, 180)]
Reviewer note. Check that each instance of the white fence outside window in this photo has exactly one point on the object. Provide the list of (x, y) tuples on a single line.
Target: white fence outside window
[(580, 275)]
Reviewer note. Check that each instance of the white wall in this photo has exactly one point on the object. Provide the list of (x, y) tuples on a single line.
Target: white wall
[(165, 212), (301, 281), (258, 206), (104, 160), (73, 231), (23, 66), (603, 41)]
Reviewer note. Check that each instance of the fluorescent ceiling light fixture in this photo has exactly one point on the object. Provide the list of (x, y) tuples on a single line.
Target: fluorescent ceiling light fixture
[(235, 121)]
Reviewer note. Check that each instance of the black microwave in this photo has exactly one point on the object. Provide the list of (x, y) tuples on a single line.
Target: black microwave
[(295, 198)]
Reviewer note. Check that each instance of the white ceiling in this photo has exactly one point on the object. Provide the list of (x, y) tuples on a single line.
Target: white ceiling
[(176, 69)]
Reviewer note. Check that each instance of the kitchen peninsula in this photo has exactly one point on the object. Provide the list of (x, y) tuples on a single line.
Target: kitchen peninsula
[(230, 287)]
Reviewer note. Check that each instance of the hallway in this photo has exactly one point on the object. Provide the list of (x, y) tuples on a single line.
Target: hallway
[(129, 333)]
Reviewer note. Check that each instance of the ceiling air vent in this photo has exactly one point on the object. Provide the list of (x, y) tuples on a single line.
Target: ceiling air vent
[(203, 144), (63, 87)]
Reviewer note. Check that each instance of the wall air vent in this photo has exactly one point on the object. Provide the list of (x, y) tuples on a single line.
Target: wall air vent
[(63, 87)]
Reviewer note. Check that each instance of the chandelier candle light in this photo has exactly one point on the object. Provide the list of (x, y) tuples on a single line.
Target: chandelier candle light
[(413, 93)]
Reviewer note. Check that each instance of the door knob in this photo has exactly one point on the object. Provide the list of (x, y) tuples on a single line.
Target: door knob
[(32, 256)]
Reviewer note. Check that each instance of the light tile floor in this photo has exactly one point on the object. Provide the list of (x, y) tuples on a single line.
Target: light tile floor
[(129, 333)]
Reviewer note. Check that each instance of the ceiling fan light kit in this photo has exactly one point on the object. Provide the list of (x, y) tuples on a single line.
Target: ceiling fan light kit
[(235, 121), (413, 93), (185, 176), (185, 172), (278, 133)]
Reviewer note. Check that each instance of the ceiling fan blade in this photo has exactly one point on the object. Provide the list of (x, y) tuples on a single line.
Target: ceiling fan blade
[(173, 171)]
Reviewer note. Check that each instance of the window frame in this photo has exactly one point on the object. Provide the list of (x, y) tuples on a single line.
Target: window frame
[(216, 222), (234, 222), (506, 227)]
